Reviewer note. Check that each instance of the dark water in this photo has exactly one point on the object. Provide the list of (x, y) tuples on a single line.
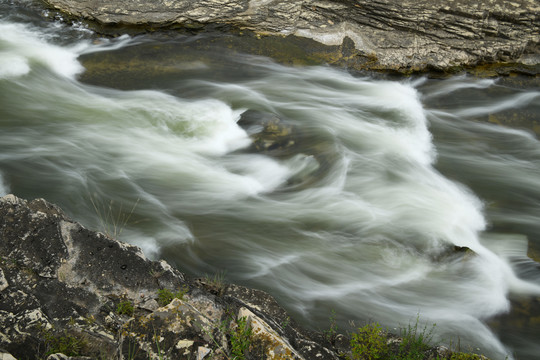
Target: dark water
[(353, 200)]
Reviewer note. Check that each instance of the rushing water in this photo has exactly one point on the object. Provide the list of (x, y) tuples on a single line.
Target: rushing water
[(359, 212)]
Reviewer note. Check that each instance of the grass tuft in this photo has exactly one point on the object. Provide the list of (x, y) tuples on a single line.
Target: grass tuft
[(66, 344), (370, 342), (165, 296), (125, 308), (112, 221)]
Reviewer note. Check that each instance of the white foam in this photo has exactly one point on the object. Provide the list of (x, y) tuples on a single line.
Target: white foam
[(12, 65), (455, 84), (511, 102), (106, 45), (23, 46)]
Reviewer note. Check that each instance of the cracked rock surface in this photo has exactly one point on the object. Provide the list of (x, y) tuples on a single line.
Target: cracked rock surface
[(400, 35), (68, 292)]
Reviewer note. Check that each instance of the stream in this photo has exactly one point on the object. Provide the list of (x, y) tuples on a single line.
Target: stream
[(347, 197)]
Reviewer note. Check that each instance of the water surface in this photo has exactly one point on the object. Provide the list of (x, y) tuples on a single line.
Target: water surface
[(380, 199)]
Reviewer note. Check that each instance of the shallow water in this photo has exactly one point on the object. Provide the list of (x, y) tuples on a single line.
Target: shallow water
[(358, 211)]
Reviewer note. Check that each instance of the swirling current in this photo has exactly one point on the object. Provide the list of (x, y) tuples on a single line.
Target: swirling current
[(339, 193)]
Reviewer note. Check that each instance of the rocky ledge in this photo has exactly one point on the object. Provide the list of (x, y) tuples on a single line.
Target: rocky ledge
[(397, 35), (70, 293)]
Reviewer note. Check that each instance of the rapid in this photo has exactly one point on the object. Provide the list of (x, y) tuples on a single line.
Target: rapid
[(390, 200)]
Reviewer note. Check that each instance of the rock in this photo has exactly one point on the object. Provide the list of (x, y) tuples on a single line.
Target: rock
[(269, 133), (275, 346), (439, 352), (202, 352), (313, 156), (60, 356), (397, 35), (71, 293), (6, 356), (3, 282)]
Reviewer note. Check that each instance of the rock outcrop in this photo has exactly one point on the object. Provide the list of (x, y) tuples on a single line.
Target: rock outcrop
[(400, 35), (67, 290)]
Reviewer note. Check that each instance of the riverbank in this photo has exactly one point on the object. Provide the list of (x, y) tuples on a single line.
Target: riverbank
[(72, 291), (487, 37)]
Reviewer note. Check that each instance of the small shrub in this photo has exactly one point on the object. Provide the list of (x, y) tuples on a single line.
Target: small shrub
[(165, 296), (125, 308), (240, 338), (369, 343), (331, 333)]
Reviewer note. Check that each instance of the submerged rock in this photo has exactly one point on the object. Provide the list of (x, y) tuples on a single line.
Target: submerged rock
[(269, 133), (395, 35), (311, 155)]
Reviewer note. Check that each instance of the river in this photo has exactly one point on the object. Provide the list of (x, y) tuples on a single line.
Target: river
[(346, 196)]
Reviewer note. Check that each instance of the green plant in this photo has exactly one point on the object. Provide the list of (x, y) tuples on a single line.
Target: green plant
[(285, 322), (165, 296), (464, 356), (132, 350), (111, 221), (331, 333), (240, 338), (218, 278), (66, 344), (415, 342), (211, 336), (125, 308), (90, 319), (215, 283), (369, 343), (129, 342), (161, 356)]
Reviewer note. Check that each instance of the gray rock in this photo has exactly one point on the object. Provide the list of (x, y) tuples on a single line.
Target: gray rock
[(401, 35), (71, 293), (6, 356)]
